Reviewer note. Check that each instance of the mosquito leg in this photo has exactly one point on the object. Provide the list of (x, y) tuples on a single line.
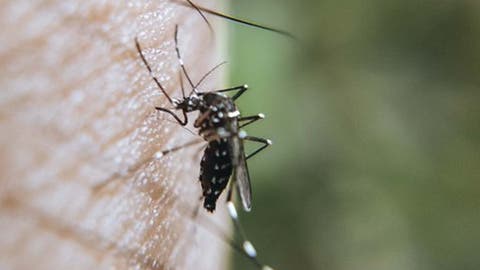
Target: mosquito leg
[(207, 224), (139, 49), (265, 143), (122, 175), (180, 79), (185, 119), (201, 118), (247, 246), (182, 65), (255, 25), (250, 119), (194, 216), (201, 14), (176, 148), (191, 213), (240, 89)]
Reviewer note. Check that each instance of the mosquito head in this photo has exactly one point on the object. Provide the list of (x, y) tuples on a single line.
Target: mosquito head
[(188, 104)]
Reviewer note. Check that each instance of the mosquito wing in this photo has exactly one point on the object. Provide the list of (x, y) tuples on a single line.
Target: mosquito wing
[(240, 174)]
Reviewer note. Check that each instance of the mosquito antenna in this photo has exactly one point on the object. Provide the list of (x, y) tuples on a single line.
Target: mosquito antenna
[(139, 49), (201, 14), (237, 20), (181, 61), (209, 72)]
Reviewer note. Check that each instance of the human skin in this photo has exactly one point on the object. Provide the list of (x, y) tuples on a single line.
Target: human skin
[(80, 185)]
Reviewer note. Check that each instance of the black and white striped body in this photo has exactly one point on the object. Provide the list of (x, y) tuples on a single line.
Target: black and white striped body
[(217, 124), (215, 170)]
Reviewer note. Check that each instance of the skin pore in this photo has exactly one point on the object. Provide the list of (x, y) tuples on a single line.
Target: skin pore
[(80, 185)]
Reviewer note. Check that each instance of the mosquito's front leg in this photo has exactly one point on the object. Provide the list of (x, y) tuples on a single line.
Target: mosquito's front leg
[(247, 246), (185, 119), (198, 122), (155, 79)]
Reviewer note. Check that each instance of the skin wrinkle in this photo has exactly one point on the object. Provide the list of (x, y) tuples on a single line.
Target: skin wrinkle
[(118, 56), (66, 173), (66, 232), (54, 147), (100, 113), (110, 181), (71, 171), (26, 98), (73, 20)]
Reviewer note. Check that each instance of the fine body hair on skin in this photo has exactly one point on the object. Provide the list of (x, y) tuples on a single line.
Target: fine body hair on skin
[(77, 108)]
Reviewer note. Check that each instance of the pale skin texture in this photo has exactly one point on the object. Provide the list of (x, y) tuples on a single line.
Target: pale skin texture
[(79, 188)]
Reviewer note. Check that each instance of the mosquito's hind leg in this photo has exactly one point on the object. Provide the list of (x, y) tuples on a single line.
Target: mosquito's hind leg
[(247, 247), (244, 22), (201, 14)]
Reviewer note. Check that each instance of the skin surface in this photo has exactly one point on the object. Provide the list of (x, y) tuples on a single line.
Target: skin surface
[(80, 187)]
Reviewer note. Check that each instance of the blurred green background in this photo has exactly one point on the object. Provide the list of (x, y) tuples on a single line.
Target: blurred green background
[(375, 118)]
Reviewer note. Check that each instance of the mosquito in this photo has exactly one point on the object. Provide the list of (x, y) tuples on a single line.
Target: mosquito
[(220, 124)]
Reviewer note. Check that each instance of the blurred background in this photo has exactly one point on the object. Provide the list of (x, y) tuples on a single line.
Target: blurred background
[(375, 119)]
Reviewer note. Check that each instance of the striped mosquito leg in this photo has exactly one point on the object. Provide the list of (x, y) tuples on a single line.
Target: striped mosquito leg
[(182, 65), (162, 153), (201, 14), (147, 65), (250, 119), (247, 246), (126, 173), (265, 143), (207, 224), (237, 20), (241, 89)]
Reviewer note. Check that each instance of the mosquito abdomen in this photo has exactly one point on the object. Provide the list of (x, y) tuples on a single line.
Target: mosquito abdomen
[(216, 169)]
